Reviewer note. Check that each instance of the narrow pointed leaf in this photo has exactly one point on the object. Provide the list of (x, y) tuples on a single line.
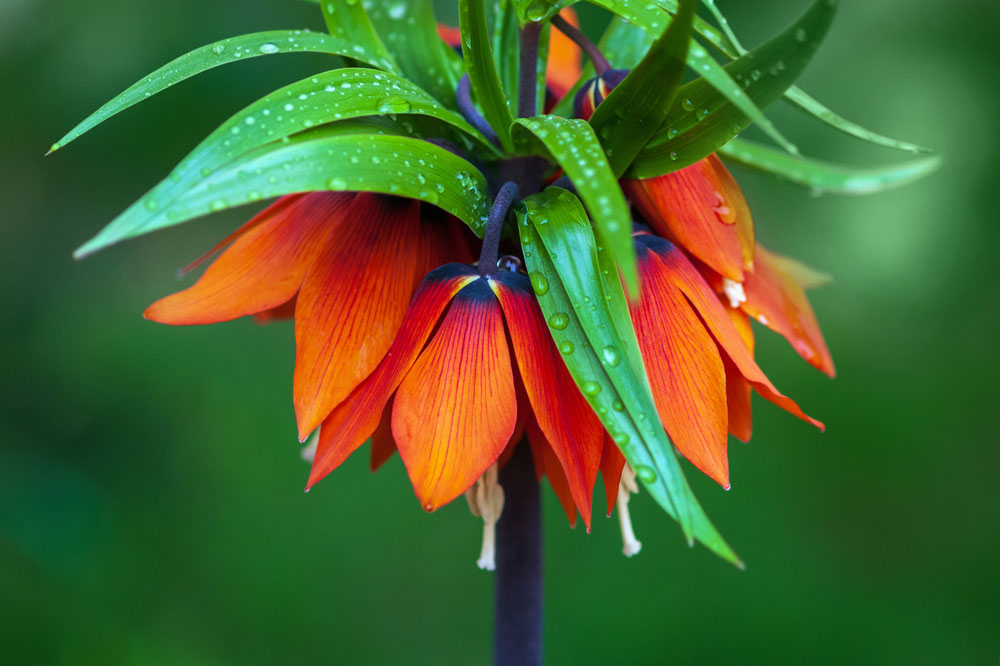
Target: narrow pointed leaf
[(601, 352), (505, 50), (324, 160), (807, 103), (574, 146), (702, 63), (702, 120), (531, 11), (409, 32), (348, 20), (825, 177), (636, 108), (223, 52), (324, 98), (731, 47), (482, 70)]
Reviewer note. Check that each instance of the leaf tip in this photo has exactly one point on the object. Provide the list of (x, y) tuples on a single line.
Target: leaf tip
[(53, 148)]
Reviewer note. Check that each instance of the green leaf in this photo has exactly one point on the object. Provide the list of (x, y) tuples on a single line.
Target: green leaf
[(802, 100), (574, 146), (577, 288), (731, 47), (704, 120), (479, 64), (636, 108), (534, 11), (324, 98), (822, 177), (506, 50), (328, 158), (409, 31), (704, 65), (223, 52), (348, 20)]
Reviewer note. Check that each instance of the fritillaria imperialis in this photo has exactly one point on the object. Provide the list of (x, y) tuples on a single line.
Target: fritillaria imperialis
[(503, 232)]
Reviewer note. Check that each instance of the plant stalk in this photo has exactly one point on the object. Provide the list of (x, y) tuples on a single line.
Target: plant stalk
[(518, 612)]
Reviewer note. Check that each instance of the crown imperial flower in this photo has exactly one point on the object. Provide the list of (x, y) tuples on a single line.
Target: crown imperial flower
[(608, 318)]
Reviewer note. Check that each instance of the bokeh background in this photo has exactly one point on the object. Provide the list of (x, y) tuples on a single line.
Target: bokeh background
[(151, 505)]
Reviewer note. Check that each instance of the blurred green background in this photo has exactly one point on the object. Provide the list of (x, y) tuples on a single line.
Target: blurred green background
[(151, 505)]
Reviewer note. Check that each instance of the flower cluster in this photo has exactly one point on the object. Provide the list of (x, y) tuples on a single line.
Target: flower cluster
[(433, 145)]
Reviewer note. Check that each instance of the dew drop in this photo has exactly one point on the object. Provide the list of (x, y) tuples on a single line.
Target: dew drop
[(566, 347), (590, 388), (540, 284), (611, 356), (646, 474), (269, 47), (559, 321)]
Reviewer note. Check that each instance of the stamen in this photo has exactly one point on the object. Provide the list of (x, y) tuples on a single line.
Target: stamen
[(626, 487), (734, 292), (485, 500)]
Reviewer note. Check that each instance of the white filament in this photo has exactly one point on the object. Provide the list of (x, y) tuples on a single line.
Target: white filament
[(485, 500)]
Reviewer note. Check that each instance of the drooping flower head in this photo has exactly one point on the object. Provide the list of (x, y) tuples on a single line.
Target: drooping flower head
[(387, 170)]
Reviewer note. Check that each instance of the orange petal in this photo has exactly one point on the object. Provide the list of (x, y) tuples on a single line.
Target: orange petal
[(354, 420), (707, 304), (280, 313), (456, 409), (739, 209), (382, 443), (684, 367), (696, 207), (262, 269), (450, 35), (353, 300), (569, 424), (552, 468), (738, 389), (777, 299), (564, 68), (612, 464), (263, 216)]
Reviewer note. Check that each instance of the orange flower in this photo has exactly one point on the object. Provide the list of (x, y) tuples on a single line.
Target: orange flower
[(347, 264), (702, 209), (687, 341), (446, 394)]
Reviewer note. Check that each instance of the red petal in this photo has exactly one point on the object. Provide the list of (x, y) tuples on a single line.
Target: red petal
[(263, 268), (612, 464), (562, 413), (449, 35), (684, 367), (354, 420), (698, 208), (776, 298), (707, 304), (553, 469), (456, 408), (564, 66), (353, 300), (738, 389), (382, 443)]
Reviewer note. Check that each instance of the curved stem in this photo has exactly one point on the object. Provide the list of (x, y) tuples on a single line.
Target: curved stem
[(463, 97), (518, 619), (527, 94), (491, 238), (600, 63)]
